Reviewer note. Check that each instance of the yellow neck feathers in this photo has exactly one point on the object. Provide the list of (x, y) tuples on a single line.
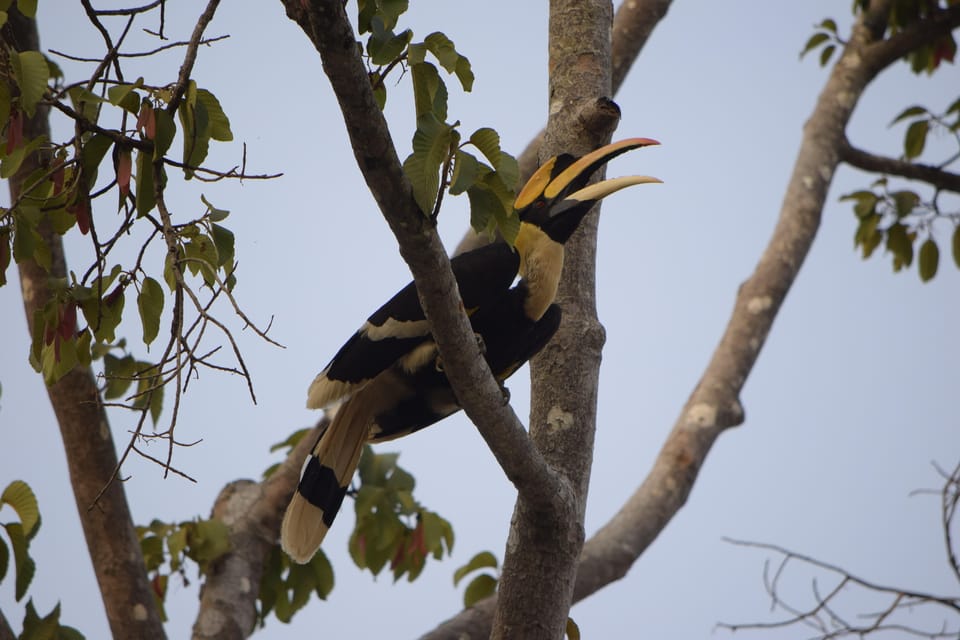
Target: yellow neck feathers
[(541, 261)]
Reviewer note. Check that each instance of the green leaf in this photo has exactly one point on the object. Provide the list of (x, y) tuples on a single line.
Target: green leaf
[(219, 123), (322, 574), (119, 373), (5, 103), (146, 197), (195, 122), (32, 74), (384, 46), (201, 254), (125, 96), (28, 8), (223, 240), (900, 245), (209, 540), (955, 246), (905, 202), (215, 214), (828, 25), (150, 306), (431, 144), (464, 73), (442, 48), (466, 172), (482, 560), (91, 155), (928, 259), (483, 586), (909, 112), (4, 559), (826, 53), (429, 91), (85, 102), (20, 496), (25, 567), (866, 202), (166, 130), (815, 41), (915, 138), (572, 630)]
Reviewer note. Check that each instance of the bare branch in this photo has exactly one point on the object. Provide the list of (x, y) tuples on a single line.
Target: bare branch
[(826, 619), (944, 180), (191, 55)]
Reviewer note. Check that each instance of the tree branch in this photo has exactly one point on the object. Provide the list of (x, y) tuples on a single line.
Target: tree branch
[(88, 444), (190, 57), (943, 180), (325, 23), (714, 405), (252, 512), (881, 53), (540, 563)]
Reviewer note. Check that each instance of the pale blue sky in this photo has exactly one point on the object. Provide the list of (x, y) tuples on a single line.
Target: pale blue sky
[(852, 398)]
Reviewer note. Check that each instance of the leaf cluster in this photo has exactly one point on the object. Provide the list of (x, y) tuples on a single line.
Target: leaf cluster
[(903, 224), (123, 136), (392, 527), (20, 497), (440, 162), (166, 548)]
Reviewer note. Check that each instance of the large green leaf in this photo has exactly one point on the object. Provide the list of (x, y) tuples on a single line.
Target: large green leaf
[(150, 306), (32, 74), (483, 586), (431, 144), (928, 260), (915, 138), (429, 91), (482, 560), (25, 566), (20, 496), (219, 123)]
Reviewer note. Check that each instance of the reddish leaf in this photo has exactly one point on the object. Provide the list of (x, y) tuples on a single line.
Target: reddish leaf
[(81, 211), (398, 556), (112, 297), (58, 175), (147, 121), (124, 170), (14, 131), (68, 320), (945, 49)]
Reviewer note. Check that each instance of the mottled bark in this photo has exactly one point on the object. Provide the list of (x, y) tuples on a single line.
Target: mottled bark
[(539, 567), (87, 442), (252, 512)]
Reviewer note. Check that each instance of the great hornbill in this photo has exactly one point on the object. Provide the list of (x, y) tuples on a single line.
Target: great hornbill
[(388, 379)]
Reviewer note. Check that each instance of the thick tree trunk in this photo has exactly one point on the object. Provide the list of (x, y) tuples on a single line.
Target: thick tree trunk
[(539, 568), (87, 441)]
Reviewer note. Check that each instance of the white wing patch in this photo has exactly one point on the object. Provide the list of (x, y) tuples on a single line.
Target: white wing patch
[(324, 392), (395, 329)]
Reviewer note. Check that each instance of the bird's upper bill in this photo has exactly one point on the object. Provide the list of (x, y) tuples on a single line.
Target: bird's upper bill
[(556, 196), (566, 176)]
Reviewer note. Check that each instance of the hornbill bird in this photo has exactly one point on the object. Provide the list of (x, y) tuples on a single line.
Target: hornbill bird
[(388, 381)]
